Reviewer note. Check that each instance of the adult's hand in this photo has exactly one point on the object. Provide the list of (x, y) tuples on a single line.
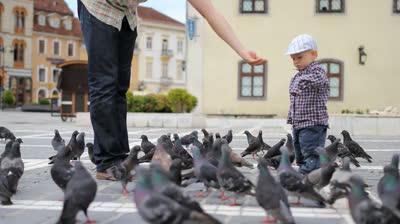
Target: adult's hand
[(252, 58)]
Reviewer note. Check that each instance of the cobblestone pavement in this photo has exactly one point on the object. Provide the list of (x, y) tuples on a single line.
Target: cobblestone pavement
[(39, 200)]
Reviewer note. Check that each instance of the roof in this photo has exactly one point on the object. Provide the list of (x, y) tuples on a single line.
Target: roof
[(152, 15), (61, 8)]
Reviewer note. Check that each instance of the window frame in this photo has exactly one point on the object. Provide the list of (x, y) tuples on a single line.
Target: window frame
[(52, 74), (265, 11), (342, 9), (340, 75), (59, 47), (44, 46), (71, 43), (149, 44), (149, 72), (252, 74), (395, 10), (45, 74)]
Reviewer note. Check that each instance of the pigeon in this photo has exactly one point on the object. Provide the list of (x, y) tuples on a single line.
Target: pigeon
[(187, 140), (343, 151), (205, 133), (292, 181), (122, 171), (236, 159), (12, 160), (79, 194), (7, 180), (204, 170), (175, 171), (229, 178), (90, 148), (157, 208), (6, 134), (389, 185), (289, 147), (271, 196), (80, 146), (163, 152), (354, 147), (72, 144), (62, 171), (228, 136), (254, 145), (339, 182), (264, 146), (321, 177), (8, 148), (186, 158), (162, 184), (146, 145), (363, 209), (57, 142), (332, 150), (275, 149)]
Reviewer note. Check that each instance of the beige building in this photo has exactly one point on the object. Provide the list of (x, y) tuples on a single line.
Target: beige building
[(357, 40), (160, 52), (16, 18), (56, 39)]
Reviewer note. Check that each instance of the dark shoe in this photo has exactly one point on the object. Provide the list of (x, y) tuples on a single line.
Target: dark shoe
[(311, 163)]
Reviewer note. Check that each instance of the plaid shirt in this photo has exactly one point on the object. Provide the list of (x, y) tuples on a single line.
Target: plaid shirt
[(309, 91), (112, 12)]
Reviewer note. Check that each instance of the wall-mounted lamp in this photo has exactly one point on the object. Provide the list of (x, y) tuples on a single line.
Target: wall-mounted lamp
[(183, 65), (362, 55)]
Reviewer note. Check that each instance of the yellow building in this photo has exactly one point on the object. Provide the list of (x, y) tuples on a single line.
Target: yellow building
[(357, 40), (56, 39)]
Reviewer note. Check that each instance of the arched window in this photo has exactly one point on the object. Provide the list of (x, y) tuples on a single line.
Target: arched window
[(19, 52), (334, 71), (19, 19), (41, 94), (328, 6)]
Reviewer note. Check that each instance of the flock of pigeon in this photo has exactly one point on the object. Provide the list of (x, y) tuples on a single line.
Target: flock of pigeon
[(164, 168)]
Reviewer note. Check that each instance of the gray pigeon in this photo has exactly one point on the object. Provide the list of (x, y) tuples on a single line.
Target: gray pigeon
[(62, 170), (79, 194), (292, 181), (187, 140), (157, 208), (389, 185), (228, 136), (275, 149), (5, 134), (288, 146), (230, 179), (205, 133), (204, 170), (72, 144), (146, 145), (271, 196), (122, 171), (363, 209), (13, 160), (57, 142), (8, 148), (354, 147), (339, 182), (321, 177), (80, 146), (343, 151), (7, 180), (175, 171), (180, 151), (164, 152), (255, 145), (90, 148)]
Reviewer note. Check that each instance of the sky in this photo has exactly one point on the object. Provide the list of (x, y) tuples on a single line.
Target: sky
[(173, 8)]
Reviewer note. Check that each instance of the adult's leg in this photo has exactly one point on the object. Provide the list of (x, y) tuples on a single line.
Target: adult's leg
[(101, 42), (310, 138), (127, 39)]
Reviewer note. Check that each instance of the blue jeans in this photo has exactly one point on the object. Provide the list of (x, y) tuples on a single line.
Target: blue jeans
[(110, 53), (306, 140)]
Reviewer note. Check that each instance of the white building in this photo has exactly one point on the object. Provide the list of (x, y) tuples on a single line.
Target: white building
[(161, 51)]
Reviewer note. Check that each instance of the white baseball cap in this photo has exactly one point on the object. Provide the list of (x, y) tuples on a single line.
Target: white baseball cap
[(301, 43)]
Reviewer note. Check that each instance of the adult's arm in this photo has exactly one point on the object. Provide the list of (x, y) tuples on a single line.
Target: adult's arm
[(222, 28)]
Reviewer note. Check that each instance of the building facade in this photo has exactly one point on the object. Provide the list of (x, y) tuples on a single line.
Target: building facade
[(16, 17), (160, 52), (357, 43), (56, 39)]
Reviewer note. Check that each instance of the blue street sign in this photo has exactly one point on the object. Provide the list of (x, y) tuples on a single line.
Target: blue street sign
[(191, 26)]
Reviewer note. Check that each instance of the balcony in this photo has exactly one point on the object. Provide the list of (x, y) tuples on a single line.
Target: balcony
[(166, 81), (166, 54)]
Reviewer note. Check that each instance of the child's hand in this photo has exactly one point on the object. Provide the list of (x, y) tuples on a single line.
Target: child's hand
[(252, 58)]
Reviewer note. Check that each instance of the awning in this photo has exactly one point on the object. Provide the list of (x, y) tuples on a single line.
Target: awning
[(19, 72)]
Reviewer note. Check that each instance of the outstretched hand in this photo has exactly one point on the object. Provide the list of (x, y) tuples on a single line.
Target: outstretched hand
[(252, 58)]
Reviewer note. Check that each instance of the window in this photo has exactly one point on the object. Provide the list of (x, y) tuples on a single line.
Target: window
[(252, 80), (55, 75), (55, 22), (42, 20), (326, 6), (41, 94), (180, 46), (334, 71), (253, 6), (56, 48), (164, 44), (42, 46), (179, 72), (19, 51), (149, 68), (396, 6), (42, 75), (149, 43), (19, 19), (68, 24), (164, 69), (70, 49)]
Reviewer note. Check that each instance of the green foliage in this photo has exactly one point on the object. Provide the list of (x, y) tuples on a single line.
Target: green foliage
[(181, 101), (8, 98), (44, 102)]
